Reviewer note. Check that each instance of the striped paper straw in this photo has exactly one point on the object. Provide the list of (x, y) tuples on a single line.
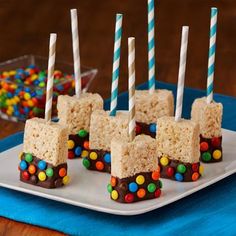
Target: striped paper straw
[(151, 47), (211, 55), (131, 65), (116, 65), (181, 76), (51, 64), (76, 54)]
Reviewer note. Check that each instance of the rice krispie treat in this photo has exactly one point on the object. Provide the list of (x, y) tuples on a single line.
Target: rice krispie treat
[(178, 149), (44, 156), (75, 113), (209, 117), (134, 170), (149, 107), (102, 129)]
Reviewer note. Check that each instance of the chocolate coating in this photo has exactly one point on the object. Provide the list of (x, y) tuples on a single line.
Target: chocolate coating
[(211, 149), (122, 187), (187, 175), (51, 182), (79, 141), (145, 129), (100, 157)]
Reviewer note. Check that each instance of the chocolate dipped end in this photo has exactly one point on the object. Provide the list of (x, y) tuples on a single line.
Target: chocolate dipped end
[(148, 129), (77, 143), (179, 171), (142, 186), (37, 172), (98, 160), (211, 149)]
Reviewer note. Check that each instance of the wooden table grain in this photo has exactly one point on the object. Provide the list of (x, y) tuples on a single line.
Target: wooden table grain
[(26, 25)]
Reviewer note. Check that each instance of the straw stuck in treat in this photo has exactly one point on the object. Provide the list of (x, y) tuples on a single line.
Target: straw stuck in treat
[(51, 64), (151, 47), (76, 53), (211, 55), (181, 76), (131, 65), (116, 64)]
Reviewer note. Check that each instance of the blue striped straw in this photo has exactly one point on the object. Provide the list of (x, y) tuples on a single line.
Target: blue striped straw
[(116, 65), (211, 55), (151, 47)]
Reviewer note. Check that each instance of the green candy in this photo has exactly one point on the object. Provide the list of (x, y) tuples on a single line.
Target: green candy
[(160, 183), (206, 156), (49, 172), (86, 163), (181, 168), (109, 188), (28, 157), (151, 187), (82, 133)]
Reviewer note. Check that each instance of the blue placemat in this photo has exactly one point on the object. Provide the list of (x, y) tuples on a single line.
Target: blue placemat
[(207, 212)]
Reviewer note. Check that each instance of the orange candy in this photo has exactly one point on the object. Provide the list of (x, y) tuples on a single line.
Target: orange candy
[(195, 176), (99, 165), (32, 169), (141, 193), (158, 169), (155, 175), (113, 181), (86, 145), (62, 172)]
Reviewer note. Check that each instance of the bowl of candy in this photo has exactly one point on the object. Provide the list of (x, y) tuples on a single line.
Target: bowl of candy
[(23, 86)]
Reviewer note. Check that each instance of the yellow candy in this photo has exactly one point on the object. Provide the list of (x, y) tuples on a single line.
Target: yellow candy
[(20, 155), (201, 169), (70, 144), (12, 72), (84, 153), (27, 96), (34, 77), (17, 99), (42, 176), (164, 161), (217, 154), (11, 108), (140, 179), (30, 103), (8, 102), (93, 156), (5, 74), (66, 180), (114, 195), (9, 112)]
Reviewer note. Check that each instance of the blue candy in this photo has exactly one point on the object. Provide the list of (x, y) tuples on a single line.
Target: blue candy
[(152, 128), (42, 165), (107, 158), (78, 151), (179, 177), (133, 187), (23, 165), (27, 89), (26, 110)]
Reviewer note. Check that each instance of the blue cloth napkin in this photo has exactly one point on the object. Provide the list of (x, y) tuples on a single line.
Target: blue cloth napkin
[(207, 212)]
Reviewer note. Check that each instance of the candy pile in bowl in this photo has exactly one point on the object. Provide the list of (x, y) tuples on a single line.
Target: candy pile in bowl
[(23, 91)]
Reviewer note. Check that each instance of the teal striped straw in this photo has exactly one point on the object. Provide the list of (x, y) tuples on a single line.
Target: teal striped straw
[(151, 47), (116, 65), (211, 55)]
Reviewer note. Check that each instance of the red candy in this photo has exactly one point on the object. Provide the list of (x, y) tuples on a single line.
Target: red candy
[(157, 193), (71, 155), (215, 142), (25, 175), (170, 171), (129, 197), (195, 167), (204, 146), (138, 129)]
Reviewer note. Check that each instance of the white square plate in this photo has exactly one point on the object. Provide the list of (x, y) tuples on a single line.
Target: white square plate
[(88, 188)]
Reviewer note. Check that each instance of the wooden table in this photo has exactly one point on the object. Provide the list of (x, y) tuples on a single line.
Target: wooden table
[(25, 28)]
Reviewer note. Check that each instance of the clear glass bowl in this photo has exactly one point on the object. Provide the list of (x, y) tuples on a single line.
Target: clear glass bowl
[(23, 85)]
